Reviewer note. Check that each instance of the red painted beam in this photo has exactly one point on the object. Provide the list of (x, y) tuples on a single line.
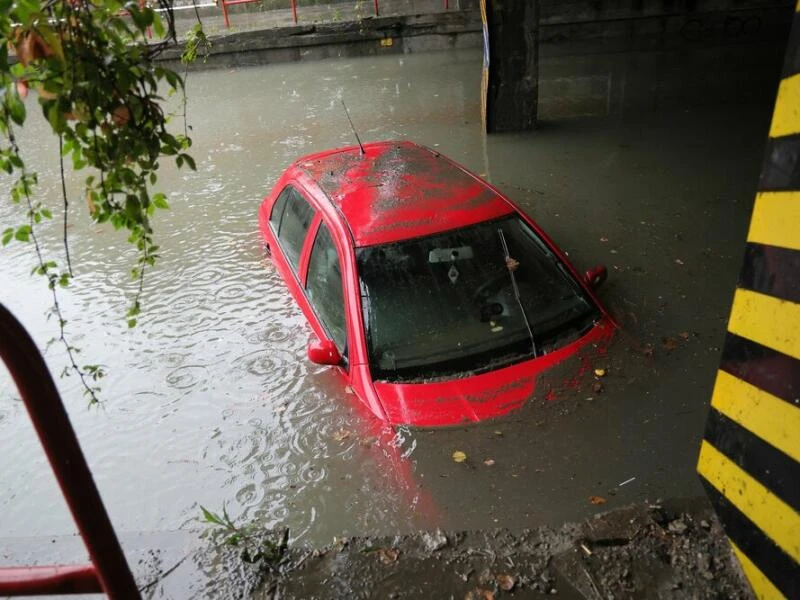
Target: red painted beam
[(56, 579), (38, 391)]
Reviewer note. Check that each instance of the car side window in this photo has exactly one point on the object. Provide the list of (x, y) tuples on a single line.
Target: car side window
[(294, 223), (277, 208), (324, 287)]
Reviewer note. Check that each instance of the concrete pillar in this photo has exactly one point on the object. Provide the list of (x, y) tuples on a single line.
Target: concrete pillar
[(511, 64), (750, 456)]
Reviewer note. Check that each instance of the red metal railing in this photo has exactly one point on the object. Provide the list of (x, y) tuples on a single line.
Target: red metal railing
[(109, 570)]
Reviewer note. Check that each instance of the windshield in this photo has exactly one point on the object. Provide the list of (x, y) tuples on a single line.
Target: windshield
[(457, 303)]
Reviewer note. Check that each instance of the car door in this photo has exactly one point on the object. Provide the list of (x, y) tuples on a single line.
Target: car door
[(315, 266)]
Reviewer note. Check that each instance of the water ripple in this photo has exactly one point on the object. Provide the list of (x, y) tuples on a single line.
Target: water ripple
[(187, 376)]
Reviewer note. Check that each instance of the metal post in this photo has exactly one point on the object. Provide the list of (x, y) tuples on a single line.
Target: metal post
[(61, 579), (225, 13), (55, 432), (294, 11), (376, 9)]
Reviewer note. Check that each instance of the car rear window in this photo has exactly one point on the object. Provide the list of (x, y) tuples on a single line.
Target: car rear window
[(293, 223), (449, 304)]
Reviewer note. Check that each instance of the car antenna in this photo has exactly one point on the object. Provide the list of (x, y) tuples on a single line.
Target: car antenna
[(355, 133)]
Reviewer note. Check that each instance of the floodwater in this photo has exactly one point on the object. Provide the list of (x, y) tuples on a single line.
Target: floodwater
[(641, 162)]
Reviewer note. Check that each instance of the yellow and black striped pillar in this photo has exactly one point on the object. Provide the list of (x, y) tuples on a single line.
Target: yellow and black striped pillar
[(750, 458)]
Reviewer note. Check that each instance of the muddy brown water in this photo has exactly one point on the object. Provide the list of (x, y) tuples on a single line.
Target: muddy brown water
[(211, 400)]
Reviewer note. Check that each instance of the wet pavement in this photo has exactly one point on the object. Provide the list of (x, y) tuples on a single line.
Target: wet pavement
[(211, 400)]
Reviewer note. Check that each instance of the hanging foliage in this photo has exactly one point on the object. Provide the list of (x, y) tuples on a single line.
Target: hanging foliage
[(91, 64)]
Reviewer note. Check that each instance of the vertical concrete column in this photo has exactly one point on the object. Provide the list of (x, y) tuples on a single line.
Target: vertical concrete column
[(511, 64), (750, 456)]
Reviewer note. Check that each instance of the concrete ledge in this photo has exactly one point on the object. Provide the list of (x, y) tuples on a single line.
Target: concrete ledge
[(378, 35)]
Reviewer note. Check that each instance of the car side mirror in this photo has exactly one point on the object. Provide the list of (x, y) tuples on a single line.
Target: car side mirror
[(324, 352), (595, 276)]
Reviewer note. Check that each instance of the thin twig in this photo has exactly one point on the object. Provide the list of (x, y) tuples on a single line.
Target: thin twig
[(51, 278), (66, 200)]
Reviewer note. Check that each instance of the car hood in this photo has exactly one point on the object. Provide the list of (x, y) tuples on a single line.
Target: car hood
[(478, 397)]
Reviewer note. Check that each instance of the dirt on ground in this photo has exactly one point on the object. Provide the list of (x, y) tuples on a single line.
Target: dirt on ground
[(673, 549)]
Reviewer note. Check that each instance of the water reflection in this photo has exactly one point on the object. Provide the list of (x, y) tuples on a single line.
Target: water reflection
[(211, 399)]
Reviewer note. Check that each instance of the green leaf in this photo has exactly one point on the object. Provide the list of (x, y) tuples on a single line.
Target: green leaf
[(189, 161), (55, 116), (160, 201), (210, 517), (158, 26), (16, 108), (7, 235), (23, 233)]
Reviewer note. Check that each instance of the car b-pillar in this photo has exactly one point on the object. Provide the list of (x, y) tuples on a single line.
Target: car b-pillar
[(510, 81)]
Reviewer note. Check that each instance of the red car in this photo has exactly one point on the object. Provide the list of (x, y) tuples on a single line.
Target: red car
[(433, 295)]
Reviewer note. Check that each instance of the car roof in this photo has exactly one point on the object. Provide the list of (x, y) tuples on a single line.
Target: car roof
[(398, 190)]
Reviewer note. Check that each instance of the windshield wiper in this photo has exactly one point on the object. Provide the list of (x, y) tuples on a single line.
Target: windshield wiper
[(512, 265)]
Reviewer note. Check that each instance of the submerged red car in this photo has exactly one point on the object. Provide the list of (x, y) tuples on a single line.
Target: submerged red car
[(433, 295)]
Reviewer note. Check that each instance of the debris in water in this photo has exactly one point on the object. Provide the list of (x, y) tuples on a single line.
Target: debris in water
[(585, 548), (597, 387), (489, 462), (669, 343), (678, 261), (459, 456), (597, 500), (600, 372), (626, 482), (498, 433), (684, 335), (341, 435)]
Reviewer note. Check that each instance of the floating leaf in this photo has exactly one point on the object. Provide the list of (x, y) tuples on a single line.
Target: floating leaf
[(459, 456), (597, 500)]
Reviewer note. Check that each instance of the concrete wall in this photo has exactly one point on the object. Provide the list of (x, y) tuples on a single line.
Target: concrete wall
[(566, 28)]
